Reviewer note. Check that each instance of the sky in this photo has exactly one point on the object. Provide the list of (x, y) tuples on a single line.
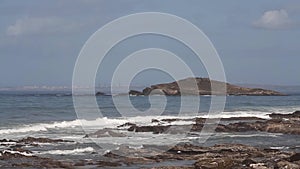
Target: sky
[(257, 41)]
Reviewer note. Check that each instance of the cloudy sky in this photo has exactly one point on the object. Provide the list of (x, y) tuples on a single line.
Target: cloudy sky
[(258, 41)]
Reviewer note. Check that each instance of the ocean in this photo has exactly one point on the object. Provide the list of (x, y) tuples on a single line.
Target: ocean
[(52, 115)]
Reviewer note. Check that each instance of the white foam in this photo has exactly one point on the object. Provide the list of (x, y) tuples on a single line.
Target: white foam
[(104, 122), (279, 148), (253, 135), (8, 143), (98, 123), (259, 114), (66, 152), (40, 127), (136, 147), (17, 152)]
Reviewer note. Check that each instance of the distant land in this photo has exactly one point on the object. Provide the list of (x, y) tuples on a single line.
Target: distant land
[(204, 88), (286, 89)]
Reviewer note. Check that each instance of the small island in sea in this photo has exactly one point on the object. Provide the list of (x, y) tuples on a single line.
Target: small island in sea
[(89, 84), (204, 88)]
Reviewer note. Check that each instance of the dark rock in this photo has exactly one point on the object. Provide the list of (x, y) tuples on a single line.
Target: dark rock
[(292, 116), (107, 164), (188, 149), (275, 125), (225, 156), (153, 129), (135, 93), (100, 94), (41, 140), (8, 155), (18, 160), (200, 120), (286, 164), (147, 91), (214, 163), (80, 163), (246, 124), (242, 119), (170, 120), (248, 161), (128, 124), (295, 157), (154, 121), (6, 140), (111, 155)]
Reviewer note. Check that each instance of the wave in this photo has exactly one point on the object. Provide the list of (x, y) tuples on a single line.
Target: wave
[(66, 152), (40, 127), (16, 152), (105, 122)]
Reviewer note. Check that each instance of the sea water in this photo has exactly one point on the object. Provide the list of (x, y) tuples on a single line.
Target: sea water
[(52, 115)]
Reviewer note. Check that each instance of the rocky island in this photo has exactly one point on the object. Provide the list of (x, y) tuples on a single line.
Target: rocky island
[(204, 88)]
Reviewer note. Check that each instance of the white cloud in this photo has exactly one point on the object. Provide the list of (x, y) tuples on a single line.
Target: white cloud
[(274, 19), (39, 25)]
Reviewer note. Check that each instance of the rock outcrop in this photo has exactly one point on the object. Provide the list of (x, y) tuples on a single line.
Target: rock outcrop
[(204, 87), (135, 93), (100, 94), (279, 123), (220, 156)]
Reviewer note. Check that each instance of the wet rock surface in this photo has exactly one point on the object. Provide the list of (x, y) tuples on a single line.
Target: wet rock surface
[(279, 123), (231, 156), (41, 140)]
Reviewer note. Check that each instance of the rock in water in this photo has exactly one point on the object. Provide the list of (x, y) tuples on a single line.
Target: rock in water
[(100, 94), (135, 93), (186, 87)]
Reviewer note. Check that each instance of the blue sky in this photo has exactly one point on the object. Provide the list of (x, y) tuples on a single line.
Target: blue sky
[(258, 41)]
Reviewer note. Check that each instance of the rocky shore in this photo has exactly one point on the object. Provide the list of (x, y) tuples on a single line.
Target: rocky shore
[(185, 87), (222, 156), (279, 123), (16, 154)]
